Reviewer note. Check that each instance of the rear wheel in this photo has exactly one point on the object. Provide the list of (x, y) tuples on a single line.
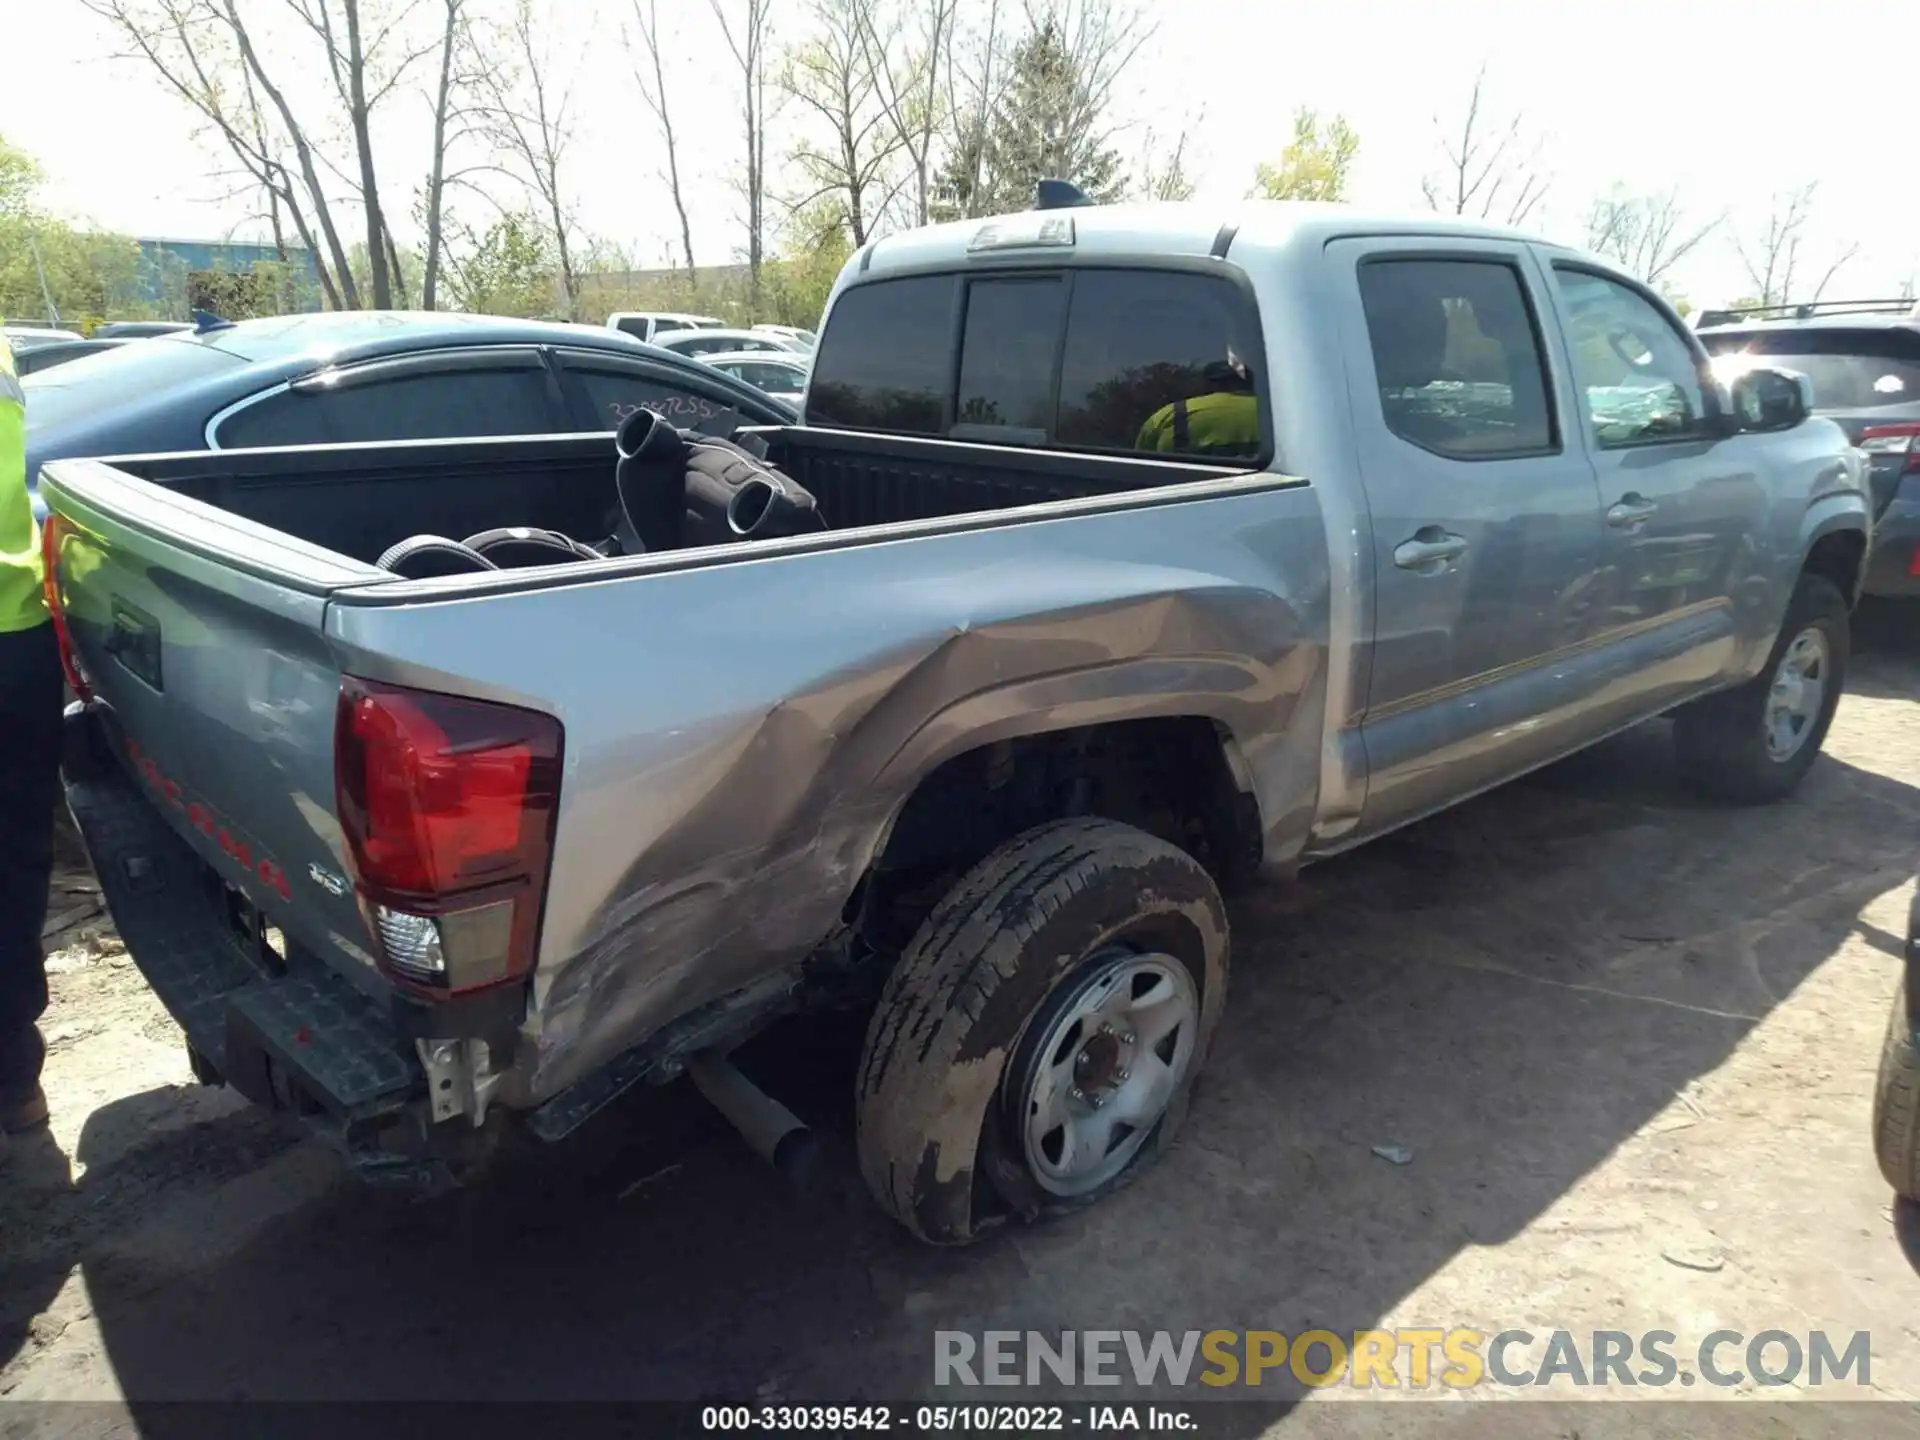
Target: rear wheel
[(1756, 743), (1036, 1047)]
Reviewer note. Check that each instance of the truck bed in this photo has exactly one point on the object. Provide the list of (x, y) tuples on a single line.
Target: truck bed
[(356, 500), (740, 723)]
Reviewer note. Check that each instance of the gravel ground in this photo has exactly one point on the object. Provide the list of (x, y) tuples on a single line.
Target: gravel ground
[(1624, 1041)]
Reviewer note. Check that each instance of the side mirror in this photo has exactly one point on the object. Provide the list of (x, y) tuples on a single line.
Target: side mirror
[(1766, 399)]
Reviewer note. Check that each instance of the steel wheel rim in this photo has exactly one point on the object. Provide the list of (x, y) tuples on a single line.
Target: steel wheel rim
[(1103, 1073), (1798, 694)]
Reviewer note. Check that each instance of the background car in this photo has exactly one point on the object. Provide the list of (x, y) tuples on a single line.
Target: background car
[(22, 338), (138, 329), (35, 358), (1862, 358), (806, 338), (718, 341), (371, 375), (645, 324), (782, 376)]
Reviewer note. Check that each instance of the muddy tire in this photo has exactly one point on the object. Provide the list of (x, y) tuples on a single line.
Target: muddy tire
[(1896, 1104), (1093, 938), (1755, 744)]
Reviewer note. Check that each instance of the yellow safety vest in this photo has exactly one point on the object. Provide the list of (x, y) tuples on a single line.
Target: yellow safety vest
[(22, 604), (1224, 422)]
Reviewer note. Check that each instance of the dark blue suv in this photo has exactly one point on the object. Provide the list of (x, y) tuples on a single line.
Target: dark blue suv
[(1863, 357)]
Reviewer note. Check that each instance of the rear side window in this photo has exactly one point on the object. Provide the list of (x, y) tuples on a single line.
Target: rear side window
[(1130, 360), (1457, 357), (883, 361), (423, 405), (611, 394), (1159, 361)]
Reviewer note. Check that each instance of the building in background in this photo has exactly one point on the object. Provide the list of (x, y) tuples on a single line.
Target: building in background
[(225, 276)]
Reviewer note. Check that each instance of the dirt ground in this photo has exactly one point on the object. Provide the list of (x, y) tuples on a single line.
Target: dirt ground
[(1626, 1039)]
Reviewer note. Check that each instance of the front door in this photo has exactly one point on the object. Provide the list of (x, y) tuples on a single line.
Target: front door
[(1485, 517), (1682, 503)]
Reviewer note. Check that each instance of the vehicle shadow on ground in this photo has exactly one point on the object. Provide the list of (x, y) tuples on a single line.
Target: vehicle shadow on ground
[(1509, 991), (1886, 633)]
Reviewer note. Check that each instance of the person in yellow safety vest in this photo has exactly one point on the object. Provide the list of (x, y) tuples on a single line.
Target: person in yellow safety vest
[(30, 703), (1223, 421)]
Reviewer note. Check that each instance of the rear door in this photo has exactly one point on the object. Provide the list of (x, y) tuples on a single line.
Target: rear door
[(1682, 503), (1485, 515)]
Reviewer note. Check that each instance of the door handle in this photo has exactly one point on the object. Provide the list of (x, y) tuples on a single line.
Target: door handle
[(1431, 551), (1630, 510)]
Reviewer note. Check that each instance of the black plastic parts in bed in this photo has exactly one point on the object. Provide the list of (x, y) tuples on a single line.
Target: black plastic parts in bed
[(674, 490), (680, 490)]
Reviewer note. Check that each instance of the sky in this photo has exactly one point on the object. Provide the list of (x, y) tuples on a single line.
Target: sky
[(1685, 94)]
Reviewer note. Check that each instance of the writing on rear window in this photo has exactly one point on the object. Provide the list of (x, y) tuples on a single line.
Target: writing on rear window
[(1105, 359)]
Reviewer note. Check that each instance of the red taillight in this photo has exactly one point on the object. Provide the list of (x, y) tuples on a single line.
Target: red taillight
[(52, 533), (447, 805), (1893, 440)]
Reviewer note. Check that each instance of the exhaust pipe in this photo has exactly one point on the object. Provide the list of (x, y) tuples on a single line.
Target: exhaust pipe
[(775, 1133)]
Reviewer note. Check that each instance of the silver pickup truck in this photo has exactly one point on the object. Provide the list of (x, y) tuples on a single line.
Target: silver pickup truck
[(1163, 549)]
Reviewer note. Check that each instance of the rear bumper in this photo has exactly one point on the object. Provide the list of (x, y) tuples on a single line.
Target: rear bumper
[(302, 1041), (1896, 548)]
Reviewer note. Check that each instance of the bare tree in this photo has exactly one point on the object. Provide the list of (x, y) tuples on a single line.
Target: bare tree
[(747, 37), (458, 125), (1492, 171), (1774, 256), (907, 73), (1647, 234), (524, 111), (652, 79), (452, 42), (202, 51), (975, 82), (1162, 173), (832, 78), (363, 74), (303, 150)]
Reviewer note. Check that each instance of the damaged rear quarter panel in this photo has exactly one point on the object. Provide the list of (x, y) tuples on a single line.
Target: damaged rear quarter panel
[(739, 735)]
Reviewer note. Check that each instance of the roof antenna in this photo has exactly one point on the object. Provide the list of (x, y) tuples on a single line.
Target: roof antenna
[(205, 321), (1060, 195)]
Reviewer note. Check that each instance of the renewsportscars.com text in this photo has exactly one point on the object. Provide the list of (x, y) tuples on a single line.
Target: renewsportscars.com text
[(1455, 1359)]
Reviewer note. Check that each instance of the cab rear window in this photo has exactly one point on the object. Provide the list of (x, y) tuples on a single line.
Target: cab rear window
[(1145, 361)]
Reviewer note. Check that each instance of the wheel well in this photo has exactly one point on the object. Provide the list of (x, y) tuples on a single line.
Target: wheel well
[(1838, 557), (1170, 777)]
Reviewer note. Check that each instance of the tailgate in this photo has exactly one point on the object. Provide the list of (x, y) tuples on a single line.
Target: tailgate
[(201, 635)]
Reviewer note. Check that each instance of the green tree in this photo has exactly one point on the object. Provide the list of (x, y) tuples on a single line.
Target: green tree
[(1315, 163), (1050, 123), (88, 274), (796, 283), (508, 270)]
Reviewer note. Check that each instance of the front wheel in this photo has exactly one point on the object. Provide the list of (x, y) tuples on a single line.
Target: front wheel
[(1036, 1047), (1756, 743)]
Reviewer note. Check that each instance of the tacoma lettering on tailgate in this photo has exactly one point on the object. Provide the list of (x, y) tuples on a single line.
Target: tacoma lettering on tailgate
[(202, 817)]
